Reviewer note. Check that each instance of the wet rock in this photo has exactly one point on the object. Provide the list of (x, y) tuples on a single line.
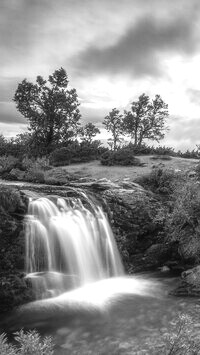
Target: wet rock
[(164, 269), (13, 289), (137, 219), (157, 254), (189, 284), (189, 246), (192, 174)]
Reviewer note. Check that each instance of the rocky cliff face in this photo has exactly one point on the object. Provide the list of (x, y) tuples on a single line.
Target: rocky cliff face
[(13, 288), (189, 284), (137, 220)]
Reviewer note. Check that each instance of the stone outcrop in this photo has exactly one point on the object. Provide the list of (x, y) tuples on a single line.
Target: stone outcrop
[(14, 290), (189, 284), (137, 220)]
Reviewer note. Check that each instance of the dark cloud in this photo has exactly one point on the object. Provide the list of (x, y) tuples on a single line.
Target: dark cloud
[(8, 87), (139, 51), (21, 30), (9, 114)]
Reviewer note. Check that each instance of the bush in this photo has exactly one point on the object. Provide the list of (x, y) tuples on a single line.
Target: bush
[(28, 343), (193, 154), (35, 175), (147, 150), (162, 181), (197, 170), (7, 163), (181, 337), (76, 152), (185, 215), (162, 150), (161, 157), (10, 199), (62, 156), (142, 150), (32, 164), (31, 170), (122, 156)]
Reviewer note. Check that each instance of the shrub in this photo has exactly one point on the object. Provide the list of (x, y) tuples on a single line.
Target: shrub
[(122, 156), (185, 216), (180, 338), (139, 150), (193, 154), (31, 170), (197, 170), (35, 175), (162, 150), (28, 343), (161, 157), (32, 164), (61, 156), (76, 152), (146, 150), (162, 181), (10, 199), (7, 163)]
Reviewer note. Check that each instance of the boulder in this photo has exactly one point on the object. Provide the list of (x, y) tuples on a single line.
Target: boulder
[(189, 246), (13, 290), (137, 219), (189, 284)]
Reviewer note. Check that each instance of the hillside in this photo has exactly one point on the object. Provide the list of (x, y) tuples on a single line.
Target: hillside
[(95, 170)]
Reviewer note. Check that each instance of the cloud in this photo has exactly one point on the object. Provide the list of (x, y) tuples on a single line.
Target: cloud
[(9, 114), (94, 115), (11, 130), (139, 52), (194, 96), (183, 133)]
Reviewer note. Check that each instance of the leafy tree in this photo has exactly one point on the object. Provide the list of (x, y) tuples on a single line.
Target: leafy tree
[(88, 132), (21, 145), (114, 124), (51, 109), (146, 120), (3, 144)]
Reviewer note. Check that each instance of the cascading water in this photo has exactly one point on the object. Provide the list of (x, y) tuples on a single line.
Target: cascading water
[(68, 245)]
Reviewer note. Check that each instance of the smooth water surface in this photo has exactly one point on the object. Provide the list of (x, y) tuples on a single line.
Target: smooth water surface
[(116, 316)]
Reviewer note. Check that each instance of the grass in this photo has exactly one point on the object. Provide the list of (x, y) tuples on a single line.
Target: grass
[(95, 170)]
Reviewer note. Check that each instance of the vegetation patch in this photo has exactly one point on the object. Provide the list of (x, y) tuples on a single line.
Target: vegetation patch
[(123, 156)]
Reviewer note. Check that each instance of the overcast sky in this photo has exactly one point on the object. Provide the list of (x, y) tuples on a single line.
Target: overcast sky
[(112, 50)]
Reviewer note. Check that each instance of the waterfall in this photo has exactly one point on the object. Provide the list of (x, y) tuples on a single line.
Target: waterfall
[(68, 244)]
